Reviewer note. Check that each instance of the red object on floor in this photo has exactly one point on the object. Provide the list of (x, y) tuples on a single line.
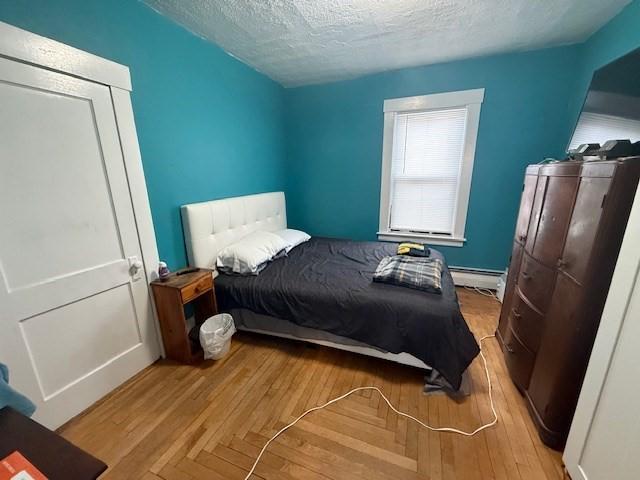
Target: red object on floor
[(15, 464)]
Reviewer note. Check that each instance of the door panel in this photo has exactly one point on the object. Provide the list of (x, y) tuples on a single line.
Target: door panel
[(79, 350), (554, 217), (42, 243), (612, 444), (541, 188), (555, 373), (526, 203), (583, 226), (74, 322)]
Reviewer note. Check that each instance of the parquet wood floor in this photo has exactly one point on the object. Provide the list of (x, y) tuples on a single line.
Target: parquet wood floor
[(177, 422)]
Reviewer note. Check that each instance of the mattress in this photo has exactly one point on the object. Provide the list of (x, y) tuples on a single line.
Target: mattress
[(245, 319), (326, 284)]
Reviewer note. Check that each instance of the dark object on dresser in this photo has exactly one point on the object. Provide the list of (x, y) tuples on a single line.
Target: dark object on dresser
[(583, 150), (615, 149), (54, 456), (570, 226)]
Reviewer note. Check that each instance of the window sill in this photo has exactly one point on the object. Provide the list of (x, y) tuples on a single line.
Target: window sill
[(419, 237)]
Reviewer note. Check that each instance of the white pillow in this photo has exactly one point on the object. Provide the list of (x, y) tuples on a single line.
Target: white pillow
[(249, 255), (292, 237)]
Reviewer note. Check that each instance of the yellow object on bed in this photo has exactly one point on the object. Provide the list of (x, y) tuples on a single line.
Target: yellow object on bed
[(413, 249)]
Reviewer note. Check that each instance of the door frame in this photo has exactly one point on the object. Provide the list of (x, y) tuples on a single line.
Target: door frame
[(625, 283), (29, 48)]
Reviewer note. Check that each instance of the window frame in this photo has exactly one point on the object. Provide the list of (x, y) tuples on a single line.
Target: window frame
[(472, 101)]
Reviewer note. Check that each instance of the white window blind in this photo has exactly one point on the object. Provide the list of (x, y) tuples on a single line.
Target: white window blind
[(427, 157), (427, 162), (598, 128)]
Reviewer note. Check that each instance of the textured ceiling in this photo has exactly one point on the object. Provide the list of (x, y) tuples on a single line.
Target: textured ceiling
[(299, 42)]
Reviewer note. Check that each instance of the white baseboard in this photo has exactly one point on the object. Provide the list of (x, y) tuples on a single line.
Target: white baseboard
[(475, 278)]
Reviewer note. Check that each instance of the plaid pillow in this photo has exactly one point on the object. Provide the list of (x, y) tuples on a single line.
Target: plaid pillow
[(413, 272)]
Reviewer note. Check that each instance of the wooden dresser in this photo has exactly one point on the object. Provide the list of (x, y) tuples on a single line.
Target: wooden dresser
[(569, 230)]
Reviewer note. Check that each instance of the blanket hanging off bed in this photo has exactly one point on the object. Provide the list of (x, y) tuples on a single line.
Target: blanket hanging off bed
[(9, 397)]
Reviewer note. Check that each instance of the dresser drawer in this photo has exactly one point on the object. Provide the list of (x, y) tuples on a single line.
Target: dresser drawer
[(519, 360), (526, 322), (535, 282), (191, 291), (526, 205)]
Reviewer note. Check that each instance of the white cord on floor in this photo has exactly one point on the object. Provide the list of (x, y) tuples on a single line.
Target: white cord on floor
[(433, 429), (487, 292)]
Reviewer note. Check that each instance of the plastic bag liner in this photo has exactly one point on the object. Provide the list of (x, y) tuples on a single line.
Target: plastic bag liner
[(215, 336)]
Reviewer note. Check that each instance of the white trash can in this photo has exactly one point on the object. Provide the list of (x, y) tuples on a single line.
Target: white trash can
[(215, 336)]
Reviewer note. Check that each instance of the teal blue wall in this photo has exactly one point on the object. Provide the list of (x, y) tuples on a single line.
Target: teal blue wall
[(334, 144), (209, 126), (532, 101)]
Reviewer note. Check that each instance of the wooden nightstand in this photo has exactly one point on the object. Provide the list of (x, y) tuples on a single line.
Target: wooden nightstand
[(171, 296)]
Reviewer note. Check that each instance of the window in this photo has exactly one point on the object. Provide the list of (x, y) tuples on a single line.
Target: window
[(427, 161), (598, 128)]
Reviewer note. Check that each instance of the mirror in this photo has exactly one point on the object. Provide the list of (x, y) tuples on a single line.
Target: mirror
[(611, 110)]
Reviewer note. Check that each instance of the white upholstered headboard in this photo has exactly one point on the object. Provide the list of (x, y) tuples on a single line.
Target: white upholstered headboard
[(211, 226)]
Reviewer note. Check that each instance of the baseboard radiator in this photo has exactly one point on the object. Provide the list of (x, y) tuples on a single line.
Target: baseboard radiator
[(475, 277)]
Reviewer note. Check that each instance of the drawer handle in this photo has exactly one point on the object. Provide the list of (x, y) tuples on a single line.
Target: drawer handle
[(526, 276), (561, 263), (509, 348), (517, 314)]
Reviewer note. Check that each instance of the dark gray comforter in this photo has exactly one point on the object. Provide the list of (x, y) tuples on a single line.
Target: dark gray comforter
[(326, 284)]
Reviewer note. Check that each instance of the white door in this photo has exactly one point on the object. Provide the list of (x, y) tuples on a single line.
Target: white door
[(604, 441), (75, 320)]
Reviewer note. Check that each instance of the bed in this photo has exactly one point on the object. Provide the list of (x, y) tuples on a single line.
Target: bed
[(322, 292)]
